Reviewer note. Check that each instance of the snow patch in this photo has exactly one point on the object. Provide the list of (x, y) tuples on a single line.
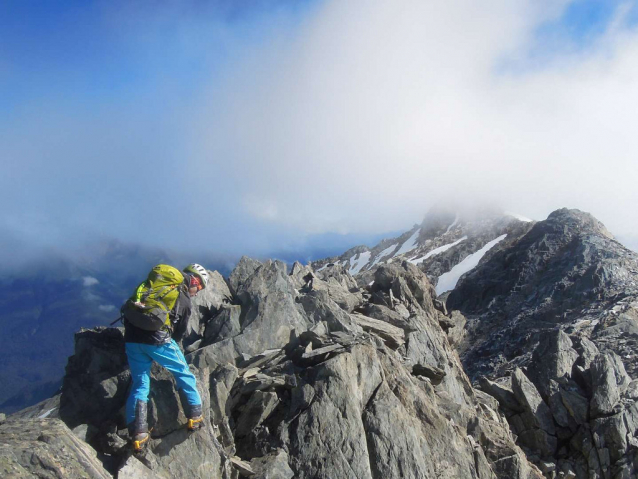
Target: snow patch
[(519, 217), (384, 253), (456, 220), (438, 250), (447, 281), (410, 244), (89, 281), (360, 263), (46, 414)]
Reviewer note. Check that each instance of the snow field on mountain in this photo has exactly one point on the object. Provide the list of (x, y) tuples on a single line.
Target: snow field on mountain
[(410, 244), (447, 281), (356, 265), (383, 253), (519, 217), (456, 220), (436, 251)]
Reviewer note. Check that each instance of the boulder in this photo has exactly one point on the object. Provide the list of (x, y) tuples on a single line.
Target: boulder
[(393, 336), (502, 393), (243, 270), (610, 433), (221, 383), (553, 359), (95, 386), (457, 333), (45, 448), (577, 405), (319, 307), (433, 373), (298, 272), (258, 408), (528, 396), (225, 324), (605, 394), (272, 466), (347, 300), (336, 274)]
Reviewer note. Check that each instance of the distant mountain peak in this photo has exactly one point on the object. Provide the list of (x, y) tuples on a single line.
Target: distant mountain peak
[(447, 235)]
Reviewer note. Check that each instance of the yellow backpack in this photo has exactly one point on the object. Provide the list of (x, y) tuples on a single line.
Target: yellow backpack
[(150, 305)]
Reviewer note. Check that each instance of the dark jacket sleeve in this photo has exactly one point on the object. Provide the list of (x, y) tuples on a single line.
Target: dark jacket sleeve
[(180, 315)]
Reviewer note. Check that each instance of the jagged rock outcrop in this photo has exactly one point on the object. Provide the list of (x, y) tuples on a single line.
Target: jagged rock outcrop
[(45, 448), (578, 427), (567, 271), (304, 386), (553, 321)]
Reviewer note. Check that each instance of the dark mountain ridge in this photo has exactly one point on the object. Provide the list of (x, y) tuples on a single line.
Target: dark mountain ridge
[(567, 269)]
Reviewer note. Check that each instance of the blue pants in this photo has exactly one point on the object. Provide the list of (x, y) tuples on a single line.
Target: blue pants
[(141, 357)]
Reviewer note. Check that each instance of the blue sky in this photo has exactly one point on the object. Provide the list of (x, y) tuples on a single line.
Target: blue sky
[(270, 126)]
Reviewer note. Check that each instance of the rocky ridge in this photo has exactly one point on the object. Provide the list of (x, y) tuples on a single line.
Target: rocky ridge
[(329, 381), (551, 334), (360, 377)]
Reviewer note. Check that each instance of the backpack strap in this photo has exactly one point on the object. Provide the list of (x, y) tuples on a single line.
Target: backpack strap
[(165, 291)]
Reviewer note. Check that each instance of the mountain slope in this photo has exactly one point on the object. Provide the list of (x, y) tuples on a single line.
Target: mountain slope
[(568, 271), (552, 330), (442, 241)]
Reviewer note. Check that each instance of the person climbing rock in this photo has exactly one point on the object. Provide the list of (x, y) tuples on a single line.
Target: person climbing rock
[(155, 318), (309, 279)]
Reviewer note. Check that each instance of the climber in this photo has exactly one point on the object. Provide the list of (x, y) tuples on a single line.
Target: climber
[(146, 343), (309, 279)]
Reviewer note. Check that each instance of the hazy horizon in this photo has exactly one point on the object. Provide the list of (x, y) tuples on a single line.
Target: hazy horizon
[(277, 127)]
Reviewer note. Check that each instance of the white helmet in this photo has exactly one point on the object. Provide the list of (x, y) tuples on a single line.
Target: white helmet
[(199, 271)]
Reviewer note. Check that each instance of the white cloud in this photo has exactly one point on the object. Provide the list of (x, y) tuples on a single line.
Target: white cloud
[(373, 111), (106, 308), (343, 117), (89, 281)]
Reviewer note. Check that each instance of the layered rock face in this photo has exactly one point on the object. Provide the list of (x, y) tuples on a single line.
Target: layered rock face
[(551, 334), (320, 380)]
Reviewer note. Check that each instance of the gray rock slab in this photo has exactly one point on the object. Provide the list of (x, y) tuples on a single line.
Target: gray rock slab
[(244, 468), (610, 433), (272, 466), (503, 394), (258, 408), (605, 394), (221, 383), (45, 448), (576, 405), (553, 359), (393, 336), (319, 307), (224, 324), (240, 275), (435, 374), (529, 397)]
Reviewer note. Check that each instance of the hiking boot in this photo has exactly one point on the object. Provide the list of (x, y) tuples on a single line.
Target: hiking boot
[(195, 417), (140, 441), (138, 429), (195, 423)]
